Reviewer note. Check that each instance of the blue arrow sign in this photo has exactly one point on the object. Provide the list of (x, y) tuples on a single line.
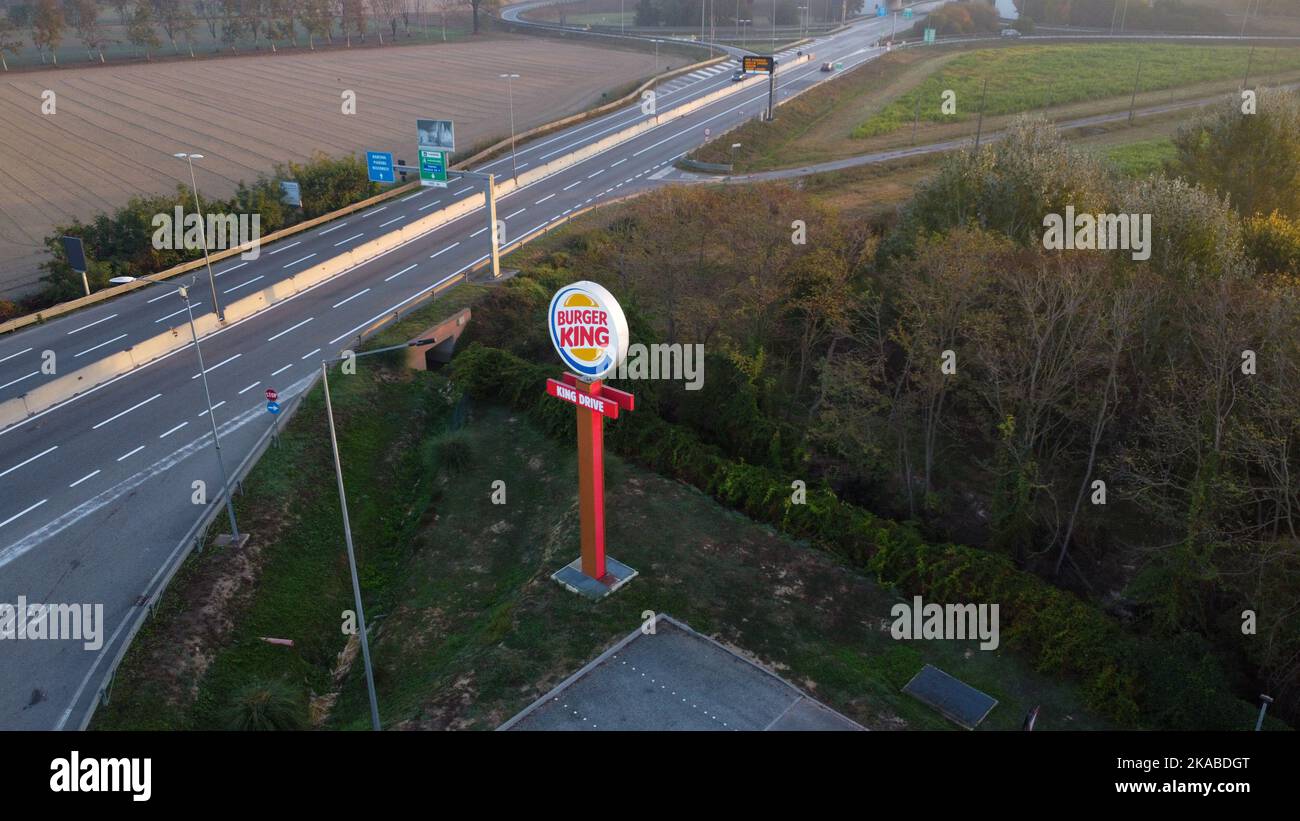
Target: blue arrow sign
[(880, 11), (273, 407), (379, 166)]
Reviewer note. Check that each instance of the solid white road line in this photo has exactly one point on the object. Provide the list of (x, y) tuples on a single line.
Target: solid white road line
[(100, 345), (349, 299), (283, 248), (349, 239), (91, 325), (29, 461), (218, 365), (287, 330), (125, 412), (332, 228), (28, 510), (130, 453), (12, 355), (399, 273), (91, 475), (173, 430)]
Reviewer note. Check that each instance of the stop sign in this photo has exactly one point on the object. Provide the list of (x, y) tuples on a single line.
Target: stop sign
[(271, 395)]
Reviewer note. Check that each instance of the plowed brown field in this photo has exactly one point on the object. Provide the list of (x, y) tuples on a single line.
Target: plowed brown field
[(115, 129)]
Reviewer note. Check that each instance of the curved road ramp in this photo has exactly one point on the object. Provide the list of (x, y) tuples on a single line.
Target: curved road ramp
[(675, 679)]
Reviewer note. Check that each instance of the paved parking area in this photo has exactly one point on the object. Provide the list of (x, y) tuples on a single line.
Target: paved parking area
[(675, 679)]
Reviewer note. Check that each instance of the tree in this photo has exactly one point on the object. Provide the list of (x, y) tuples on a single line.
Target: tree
[(209, 11), (175, 19), (85, 21), (47, 27), (475, 5), (1254, 159), (318, 19), (9, 40), (140, 31)]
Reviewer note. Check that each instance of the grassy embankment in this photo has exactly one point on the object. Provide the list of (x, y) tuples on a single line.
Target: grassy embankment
[(467, 627)]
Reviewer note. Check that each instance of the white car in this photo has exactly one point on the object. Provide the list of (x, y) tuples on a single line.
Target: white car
[(1010, 33)]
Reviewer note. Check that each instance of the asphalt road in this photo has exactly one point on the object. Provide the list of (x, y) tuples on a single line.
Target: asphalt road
[(96, 493)]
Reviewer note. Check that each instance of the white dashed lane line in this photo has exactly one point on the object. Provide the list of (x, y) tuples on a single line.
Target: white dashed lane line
[(23, 513), (173, 430), (242, 284), (100, 345), (544, 199), (29, 460), (91, 325), (90, 475), (196, 304), (349, 299), (19, 379), (444, 250), (620, 162), (250, 387), (12, 355), (287, 330), (349, 239), (515, 214), (462, 191), (283, 248), (125, 412), (296, 261), (204, 412), (393, 220), (430, 205), (412, 196), (479, 231), (225, 271), (130, 453), (332, 228), (282, 370), (399, 273), (311, 353), (571, 185), (218, 365), (376, 211)]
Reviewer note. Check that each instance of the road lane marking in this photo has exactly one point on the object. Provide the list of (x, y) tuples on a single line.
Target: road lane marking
[(430, 205), (462, 191), (100, 345), (287, 330), (19, 379), (282, 370), (544, 199), (250, 387), (335, 228), (311, 353), (227, 270), (444, 250), (242, 284), (515, 214), (218, 365), (296, 261), (173, 430), (204, 412), (91, 325), (597, 174), (399, 273), (12, 355), (25, 512), (349, 239), (393, 220), (130, 453), (411, 197), (90, 475), (283, 248), (571, 185), (620, 162), (349, 299), (376, 211), (479, 231), (196, 304), (417, 295), (29, 461), (125, 412)]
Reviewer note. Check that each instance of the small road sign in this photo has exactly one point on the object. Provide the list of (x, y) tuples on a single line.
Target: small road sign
[(272, 407), (379, 166), (291, 193), (763, 64), (907, 14), (271, 395), (433, 168)]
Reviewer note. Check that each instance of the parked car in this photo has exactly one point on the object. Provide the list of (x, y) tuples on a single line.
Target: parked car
[(1010, 33)]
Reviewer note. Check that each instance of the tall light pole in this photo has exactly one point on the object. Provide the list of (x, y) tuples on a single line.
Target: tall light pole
[(510, 96), (657, 57), (203, 236), (212, 418), (347, 525), (773, 28)]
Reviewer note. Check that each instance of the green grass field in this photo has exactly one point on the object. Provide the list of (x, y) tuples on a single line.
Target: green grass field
[(1024, 78), (1140, 158)]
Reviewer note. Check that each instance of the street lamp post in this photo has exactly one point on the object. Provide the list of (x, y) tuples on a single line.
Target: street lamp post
[(347, 525), (773, 27), (510, 96), (657, 57), (216, 438), (203, 236)]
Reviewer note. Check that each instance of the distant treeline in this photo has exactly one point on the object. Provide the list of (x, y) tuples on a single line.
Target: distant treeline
[(688, 13), (1162, 15)]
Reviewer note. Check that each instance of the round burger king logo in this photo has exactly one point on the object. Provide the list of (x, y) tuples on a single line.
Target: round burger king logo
[(588, 329)]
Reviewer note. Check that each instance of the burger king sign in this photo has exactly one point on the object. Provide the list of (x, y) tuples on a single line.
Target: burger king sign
[(588, 330)]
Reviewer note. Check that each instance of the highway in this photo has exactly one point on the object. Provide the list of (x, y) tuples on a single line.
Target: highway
[(96, 492)]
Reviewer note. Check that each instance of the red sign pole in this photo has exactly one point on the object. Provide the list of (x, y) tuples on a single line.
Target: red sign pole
[(591, 485)]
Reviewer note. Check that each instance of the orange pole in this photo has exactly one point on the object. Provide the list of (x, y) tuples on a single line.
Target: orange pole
[(591, 484)]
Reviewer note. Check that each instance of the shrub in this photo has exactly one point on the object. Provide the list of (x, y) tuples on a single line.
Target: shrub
[(267, 705)]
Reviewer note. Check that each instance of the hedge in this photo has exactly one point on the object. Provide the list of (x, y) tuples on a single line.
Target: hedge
[(1134, 681)]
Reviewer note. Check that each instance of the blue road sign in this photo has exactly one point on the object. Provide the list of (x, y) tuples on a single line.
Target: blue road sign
[(379, 165), (881, 12), (273, 407), (907, 13)]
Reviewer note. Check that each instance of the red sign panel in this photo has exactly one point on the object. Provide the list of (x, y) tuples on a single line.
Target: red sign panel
[(271, 395), (582, 399)]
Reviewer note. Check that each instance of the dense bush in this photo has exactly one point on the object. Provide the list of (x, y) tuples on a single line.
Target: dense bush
[(267, 705)]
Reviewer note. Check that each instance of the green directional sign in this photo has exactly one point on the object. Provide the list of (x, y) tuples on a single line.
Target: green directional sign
[(929, 35), (907, 14), (433, 168)]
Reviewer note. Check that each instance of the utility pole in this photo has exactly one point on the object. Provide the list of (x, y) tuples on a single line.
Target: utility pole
[(1249, 58), (1136, 80), (979, 128)]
